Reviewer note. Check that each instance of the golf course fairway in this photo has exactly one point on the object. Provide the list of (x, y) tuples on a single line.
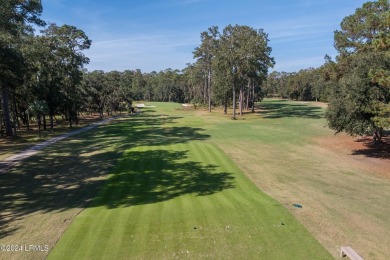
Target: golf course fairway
[(175, 194)]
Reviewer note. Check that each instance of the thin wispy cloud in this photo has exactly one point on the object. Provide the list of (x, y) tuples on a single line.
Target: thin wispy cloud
[(144, 51)]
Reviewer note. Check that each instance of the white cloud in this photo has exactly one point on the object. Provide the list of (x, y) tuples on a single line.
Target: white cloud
[(290, 65), (144, 51)]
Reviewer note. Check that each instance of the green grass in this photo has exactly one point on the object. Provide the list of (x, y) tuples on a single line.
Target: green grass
[(176, 194), (279, 148), (284, 150)]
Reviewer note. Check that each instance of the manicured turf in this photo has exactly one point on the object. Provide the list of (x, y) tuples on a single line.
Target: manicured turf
[(176, 194)]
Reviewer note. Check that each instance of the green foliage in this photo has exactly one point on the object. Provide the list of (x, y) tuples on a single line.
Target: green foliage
[(356, 104), (59, 61), (380, 76), (194, 78), (382, 115), (16, 21), (205, 53), (12, 65), (17, 17), (357, 86), (358, 31), (46, 67), (241, 63), (38, 107), (94, 89), (307, 84), (360, 102), (366, 32)]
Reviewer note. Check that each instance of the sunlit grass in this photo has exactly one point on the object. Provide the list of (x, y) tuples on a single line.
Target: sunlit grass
[(176, 194)]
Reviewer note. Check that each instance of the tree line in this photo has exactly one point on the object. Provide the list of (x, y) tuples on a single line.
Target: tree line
[(40, 75), (357, 84), (230, 67), (43, 75)]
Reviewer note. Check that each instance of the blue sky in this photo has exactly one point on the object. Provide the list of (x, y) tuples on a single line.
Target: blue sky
[(160, 34)]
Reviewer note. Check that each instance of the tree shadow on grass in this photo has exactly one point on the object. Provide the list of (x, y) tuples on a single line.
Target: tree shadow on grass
[(282, 109), (66, 177), (152, 131), (69, 173), (374, 150), (160, 175)]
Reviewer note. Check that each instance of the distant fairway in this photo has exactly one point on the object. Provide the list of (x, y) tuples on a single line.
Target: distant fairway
[(176, 194)]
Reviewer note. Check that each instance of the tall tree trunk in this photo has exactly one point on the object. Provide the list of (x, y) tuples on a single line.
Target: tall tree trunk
[(101, 112), (27, 116), (209, 88), (44, 122), (39, 125), (225, 105), (241, 97), (51, 120), (234, 102), (248, 95), (253, 96), (377, 135), (204, 89), (76, 117), (70, 118), (1, 125), (14, 116), (7, 119)]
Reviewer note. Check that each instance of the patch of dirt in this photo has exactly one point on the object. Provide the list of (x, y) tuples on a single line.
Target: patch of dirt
[(360, 151)]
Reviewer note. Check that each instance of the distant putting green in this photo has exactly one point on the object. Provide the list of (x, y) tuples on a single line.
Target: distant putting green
[(176, 194)]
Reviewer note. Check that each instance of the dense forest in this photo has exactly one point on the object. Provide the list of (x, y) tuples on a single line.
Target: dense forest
[(42, 75)]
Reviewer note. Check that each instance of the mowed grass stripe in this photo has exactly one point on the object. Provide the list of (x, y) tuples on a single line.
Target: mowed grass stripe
[(206, 209), (205, 152), (229, 198), (238, 205), (138, 221), (85, 227), (175, 194)]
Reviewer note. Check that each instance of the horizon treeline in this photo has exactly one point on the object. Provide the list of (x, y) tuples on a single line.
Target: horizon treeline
[(43, 76), (230, 67)]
